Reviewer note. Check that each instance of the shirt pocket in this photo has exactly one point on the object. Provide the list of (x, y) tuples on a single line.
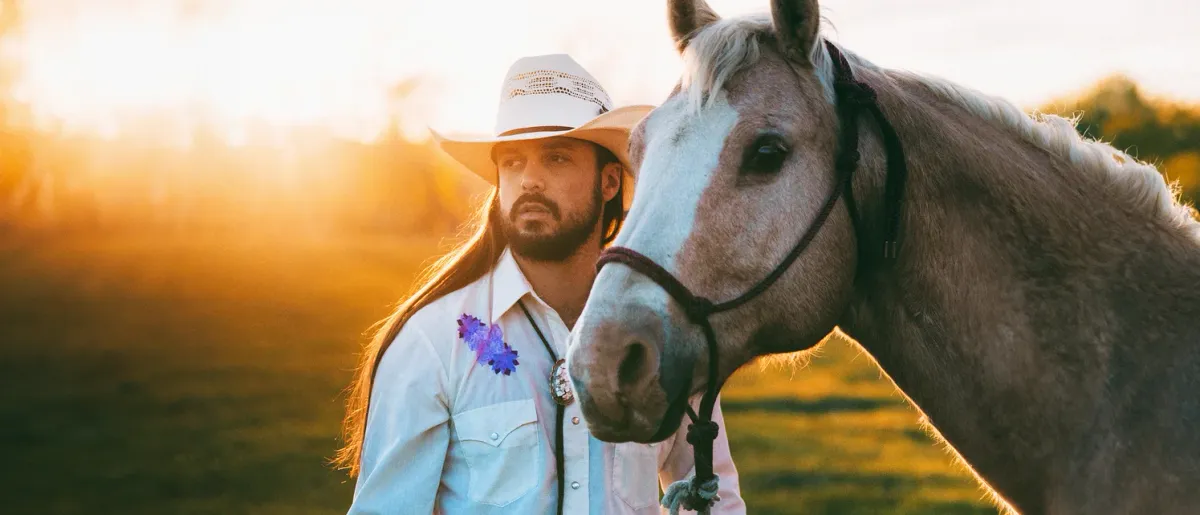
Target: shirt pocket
[(499, 444), (635, 474)]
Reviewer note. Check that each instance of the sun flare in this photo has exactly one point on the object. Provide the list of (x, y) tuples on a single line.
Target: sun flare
[(254, 70), (164, 69)]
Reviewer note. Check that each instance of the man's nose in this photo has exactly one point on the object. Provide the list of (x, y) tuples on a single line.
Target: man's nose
[(534, 178)]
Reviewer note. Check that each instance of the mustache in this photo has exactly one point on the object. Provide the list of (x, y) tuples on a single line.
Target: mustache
[(534, 199)]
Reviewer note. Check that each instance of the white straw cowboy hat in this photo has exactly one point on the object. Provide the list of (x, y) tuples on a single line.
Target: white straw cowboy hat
[(547, 96)]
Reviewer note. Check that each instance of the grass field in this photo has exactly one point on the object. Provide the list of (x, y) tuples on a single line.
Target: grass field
[(158, 376)]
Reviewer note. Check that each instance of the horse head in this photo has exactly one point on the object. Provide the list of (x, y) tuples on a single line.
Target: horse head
[(731, 168)]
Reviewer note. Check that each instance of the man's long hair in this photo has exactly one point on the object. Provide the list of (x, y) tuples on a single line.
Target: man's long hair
[(458, 268)]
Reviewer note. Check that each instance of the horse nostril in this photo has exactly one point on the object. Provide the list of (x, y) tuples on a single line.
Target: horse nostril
[(635, 355)]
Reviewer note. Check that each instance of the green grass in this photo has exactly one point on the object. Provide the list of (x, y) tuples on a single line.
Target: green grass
[(205, 376), (834, 437)]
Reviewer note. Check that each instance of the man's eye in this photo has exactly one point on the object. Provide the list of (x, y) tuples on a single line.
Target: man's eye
[(510, 163), (559, 158)]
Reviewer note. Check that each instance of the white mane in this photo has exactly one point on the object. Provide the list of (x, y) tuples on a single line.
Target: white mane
[(723, 48)]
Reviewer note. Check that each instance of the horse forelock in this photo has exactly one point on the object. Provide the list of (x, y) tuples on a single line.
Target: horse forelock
[(723, 48)]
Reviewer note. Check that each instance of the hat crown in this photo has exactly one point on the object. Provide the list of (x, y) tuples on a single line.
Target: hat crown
[(548, 92)]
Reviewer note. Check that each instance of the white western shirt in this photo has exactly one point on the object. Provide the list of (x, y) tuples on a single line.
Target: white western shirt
[(447, 434)]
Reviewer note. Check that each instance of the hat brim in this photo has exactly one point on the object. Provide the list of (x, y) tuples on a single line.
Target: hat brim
[(610, 130)]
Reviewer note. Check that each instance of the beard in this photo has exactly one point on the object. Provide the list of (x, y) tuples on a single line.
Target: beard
[(572, 234)]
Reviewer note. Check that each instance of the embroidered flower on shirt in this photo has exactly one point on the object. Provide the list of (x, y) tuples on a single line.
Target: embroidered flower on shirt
[(467, 327), (488, 343)]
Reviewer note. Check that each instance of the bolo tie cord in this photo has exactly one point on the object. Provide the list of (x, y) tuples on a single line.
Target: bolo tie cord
[(560, 409)]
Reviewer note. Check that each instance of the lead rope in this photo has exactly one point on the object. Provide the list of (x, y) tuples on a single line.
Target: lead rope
[(700, 492), (560, 409)]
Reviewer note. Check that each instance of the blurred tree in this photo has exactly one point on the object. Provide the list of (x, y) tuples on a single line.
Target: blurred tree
[(1161, 132), (1184, 168)]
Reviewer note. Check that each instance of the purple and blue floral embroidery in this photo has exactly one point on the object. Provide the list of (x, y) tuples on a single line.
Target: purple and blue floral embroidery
[(488, 343)]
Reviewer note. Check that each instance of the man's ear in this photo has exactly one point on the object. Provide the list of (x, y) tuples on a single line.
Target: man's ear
[(610, 179)]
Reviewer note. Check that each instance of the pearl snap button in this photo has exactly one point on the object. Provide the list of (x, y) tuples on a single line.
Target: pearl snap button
[(575, 420), (575, 485), (495, 436)]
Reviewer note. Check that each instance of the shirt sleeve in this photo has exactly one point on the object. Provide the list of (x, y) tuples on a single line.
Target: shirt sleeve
[(407, 431), (680, 464)]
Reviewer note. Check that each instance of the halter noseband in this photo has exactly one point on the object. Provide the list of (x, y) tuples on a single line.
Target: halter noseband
[(852, 96)]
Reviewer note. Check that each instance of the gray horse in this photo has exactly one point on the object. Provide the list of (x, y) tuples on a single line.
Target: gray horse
[(1043, 311)]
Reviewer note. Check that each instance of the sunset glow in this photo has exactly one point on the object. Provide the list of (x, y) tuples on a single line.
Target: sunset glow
[(163, 68), (109, 70)]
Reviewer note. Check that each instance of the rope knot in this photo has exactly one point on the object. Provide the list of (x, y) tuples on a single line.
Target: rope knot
[(703, 431), (690, 494)]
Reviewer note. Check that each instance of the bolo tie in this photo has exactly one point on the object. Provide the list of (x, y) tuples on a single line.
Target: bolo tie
[(560, 390)]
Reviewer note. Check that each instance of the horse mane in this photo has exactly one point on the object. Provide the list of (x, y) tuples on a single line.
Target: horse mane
[(723, 48)]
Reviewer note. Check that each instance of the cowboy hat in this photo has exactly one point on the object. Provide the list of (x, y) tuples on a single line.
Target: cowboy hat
[(550, 96)]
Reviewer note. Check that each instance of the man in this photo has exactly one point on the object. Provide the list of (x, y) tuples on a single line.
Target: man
[(470, 408)]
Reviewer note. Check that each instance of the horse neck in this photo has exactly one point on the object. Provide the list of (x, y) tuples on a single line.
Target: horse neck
[(1022, 282)]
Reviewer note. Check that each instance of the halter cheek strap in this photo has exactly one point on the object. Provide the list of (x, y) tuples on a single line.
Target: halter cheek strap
[(700, 492)]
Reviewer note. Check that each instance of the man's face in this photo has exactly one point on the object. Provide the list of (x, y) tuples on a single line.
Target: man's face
[(551, 195)]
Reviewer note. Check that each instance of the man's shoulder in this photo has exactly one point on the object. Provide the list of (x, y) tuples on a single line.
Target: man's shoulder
[(439, 318), (434, 325)]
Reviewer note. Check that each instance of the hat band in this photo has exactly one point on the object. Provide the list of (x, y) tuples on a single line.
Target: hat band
[(540, 128)]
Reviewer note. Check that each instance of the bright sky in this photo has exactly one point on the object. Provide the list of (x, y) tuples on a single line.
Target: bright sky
[(109, 65)]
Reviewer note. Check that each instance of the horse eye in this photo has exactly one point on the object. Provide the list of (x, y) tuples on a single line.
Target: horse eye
[(765, 156)]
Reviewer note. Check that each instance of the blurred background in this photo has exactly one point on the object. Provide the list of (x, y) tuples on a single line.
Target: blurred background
[(205, 204)]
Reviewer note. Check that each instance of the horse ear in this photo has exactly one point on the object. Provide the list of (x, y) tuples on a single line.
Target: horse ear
[(797, 22), (688, 16)]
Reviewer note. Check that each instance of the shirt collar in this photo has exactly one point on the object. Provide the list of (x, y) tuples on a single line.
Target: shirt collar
[(509, 285)]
